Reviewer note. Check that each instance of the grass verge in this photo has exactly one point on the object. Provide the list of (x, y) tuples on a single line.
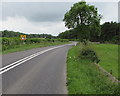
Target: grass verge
[(108, 54), (83, 77), (30, 46)]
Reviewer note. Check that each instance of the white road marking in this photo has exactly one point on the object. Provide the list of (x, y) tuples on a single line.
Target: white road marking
[(21, 61)]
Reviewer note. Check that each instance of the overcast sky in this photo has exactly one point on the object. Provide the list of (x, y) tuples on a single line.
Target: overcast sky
[(46, 17)]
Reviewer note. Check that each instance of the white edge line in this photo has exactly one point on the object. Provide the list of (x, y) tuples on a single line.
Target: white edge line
[(15, 62), (10, 66), (19, 61)]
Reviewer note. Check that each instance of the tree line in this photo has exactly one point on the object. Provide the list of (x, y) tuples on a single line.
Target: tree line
[(109, 33), (7, 33), (83, 22)]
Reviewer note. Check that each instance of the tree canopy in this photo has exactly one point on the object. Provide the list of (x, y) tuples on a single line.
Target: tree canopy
[(109, 33), (84, 18), (7, 33), (68, 34)]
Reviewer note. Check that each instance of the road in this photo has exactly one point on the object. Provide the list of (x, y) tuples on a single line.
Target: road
[(43, 74)]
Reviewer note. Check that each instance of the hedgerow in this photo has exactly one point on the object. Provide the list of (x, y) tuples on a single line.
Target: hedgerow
[(8, 43)]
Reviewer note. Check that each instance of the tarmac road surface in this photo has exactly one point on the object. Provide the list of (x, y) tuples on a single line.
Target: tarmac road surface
[(43, 73)]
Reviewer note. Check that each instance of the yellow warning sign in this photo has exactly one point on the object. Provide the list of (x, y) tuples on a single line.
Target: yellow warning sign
[(23, 37)]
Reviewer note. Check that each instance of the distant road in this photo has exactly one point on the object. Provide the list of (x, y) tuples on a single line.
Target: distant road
[(41, 73)]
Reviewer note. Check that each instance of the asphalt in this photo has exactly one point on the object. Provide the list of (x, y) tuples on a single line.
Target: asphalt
[(44, 74)]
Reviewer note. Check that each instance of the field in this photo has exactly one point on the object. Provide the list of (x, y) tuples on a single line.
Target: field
[(10, 45), (108, 54), (83, 77)]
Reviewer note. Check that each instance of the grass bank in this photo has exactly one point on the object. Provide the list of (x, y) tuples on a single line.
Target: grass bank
[(108, 54), (83, 77), (30, 46)]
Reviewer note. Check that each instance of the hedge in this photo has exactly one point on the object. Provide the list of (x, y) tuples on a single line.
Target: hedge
[(11, 42)]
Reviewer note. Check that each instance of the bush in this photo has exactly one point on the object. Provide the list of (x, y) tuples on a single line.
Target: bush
[(89, 54), (8, 43)]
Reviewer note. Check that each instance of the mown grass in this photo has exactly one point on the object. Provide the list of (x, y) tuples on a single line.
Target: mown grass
[(30, 46), (83, 77), (108, 54)]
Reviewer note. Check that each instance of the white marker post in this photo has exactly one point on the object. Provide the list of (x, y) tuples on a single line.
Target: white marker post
[(75, 43)]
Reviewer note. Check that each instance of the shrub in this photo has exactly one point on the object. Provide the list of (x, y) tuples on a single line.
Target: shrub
[(90, 54), (8, 43)]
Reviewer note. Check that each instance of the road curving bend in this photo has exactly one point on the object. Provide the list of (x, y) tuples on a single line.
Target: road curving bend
[(43, 74)]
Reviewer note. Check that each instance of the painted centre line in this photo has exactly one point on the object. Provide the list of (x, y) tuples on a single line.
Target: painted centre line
[(21, 61)]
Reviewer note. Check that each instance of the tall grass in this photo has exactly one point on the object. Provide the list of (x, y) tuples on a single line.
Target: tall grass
[(15, 44), (8, 43), (83, 77)]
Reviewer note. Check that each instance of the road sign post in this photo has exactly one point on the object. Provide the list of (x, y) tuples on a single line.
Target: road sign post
[(22, 37)]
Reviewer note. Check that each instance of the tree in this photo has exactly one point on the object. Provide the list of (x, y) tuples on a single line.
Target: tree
[(7, 33), (68, 34), (84, 18), (110, 32)]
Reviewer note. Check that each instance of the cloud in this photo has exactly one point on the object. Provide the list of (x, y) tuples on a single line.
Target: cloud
[(54, 11), (58, 0), (21, 24), (34, 17), (119, 12), (46, 17), (36, 11), (109, 10)]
